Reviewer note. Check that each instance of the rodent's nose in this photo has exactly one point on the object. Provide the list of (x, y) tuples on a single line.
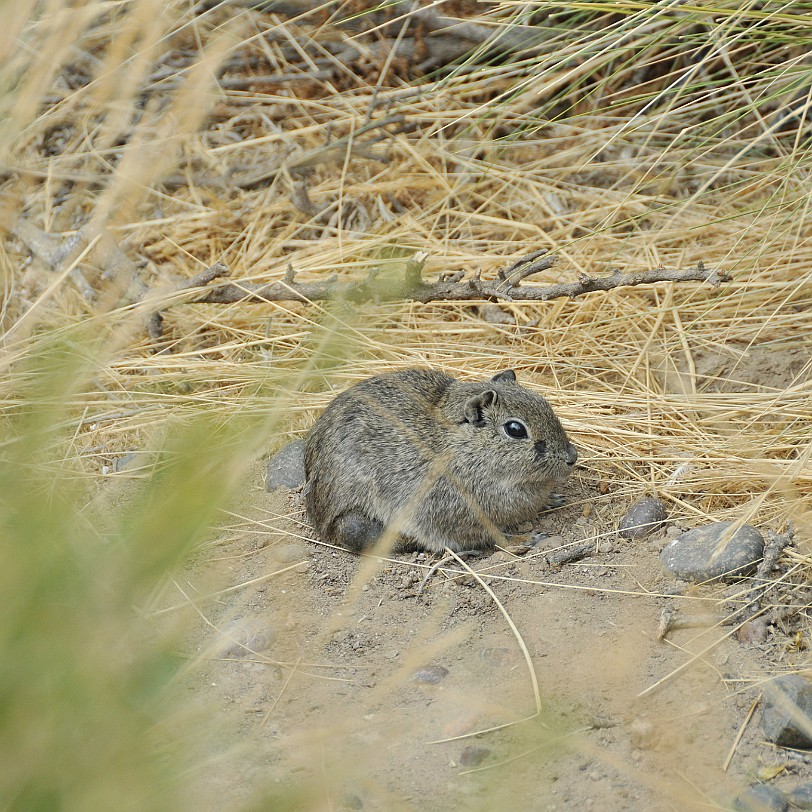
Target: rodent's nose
[(572, 454)]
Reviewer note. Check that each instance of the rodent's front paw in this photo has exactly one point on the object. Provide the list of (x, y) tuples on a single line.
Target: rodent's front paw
[(556, 500)]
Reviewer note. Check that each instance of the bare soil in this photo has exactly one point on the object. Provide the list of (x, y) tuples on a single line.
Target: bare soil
[(362, 692)]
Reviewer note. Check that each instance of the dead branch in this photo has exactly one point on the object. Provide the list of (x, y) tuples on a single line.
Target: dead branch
[(575, 552), (454, 288), (155, 320), (331, 151), (764, 584), (200, 280)]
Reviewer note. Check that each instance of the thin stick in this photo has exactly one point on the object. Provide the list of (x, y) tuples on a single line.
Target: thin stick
[(485, 730), (699, 656), (741, 732), (509, 619), (453, 289), (281, 693)]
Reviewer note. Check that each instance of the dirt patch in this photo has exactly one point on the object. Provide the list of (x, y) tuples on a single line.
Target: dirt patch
[(363, 692)]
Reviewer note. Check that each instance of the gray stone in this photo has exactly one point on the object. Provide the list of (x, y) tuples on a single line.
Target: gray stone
[(352, 801), (753, 631), (129, 460), (499, 656), (642, 519), (288, 553), (700, 555), (473, 756), (801, 796), (286, 467), (787, 716), (430, 674), (245, 636), (761, 798)]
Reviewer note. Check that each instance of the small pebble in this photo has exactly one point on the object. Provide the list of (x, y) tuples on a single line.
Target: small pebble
[(753, 631), (352, 801), (130, 460), (601, 721), (604, 546), (288, 553), (501, 657), (786, 717), (761, 798), (698, 556), (642, 518), (642, 734), (801, 796), (494, 314), (286, 467), (460, 725), (244, 636), (473, 756), (430, 674)]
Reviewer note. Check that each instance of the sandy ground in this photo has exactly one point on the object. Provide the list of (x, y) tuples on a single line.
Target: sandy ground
[(363, 693)]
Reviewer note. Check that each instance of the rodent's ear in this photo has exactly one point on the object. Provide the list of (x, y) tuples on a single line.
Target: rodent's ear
[(474, 407), (506, 376)]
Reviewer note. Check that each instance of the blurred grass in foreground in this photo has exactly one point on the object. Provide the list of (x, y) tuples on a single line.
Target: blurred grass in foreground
[(83, 679)]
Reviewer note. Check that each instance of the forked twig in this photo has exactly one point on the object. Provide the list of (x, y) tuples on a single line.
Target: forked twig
[(411, 286)]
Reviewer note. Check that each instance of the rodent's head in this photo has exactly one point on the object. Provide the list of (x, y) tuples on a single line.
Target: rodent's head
[(512, 430)]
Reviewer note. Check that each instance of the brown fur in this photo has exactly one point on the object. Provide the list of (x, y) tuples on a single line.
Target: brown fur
[(429, 458)]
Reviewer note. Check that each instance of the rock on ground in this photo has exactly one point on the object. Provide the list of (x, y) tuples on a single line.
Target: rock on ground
[(761, 798), (787, 716), (286, 467), (801, 796), (642, 518), (700, 554)]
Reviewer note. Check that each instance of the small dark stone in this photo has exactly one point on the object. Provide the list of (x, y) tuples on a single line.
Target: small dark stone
[(430, 674), (642, 519), (352, 801), (787, 716), (801, 796), (473, 756), (761, 798), (698, 556), (286, 467)]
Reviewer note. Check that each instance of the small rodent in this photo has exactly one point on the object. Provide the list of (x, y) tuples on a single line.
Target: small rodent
[(437, 461)]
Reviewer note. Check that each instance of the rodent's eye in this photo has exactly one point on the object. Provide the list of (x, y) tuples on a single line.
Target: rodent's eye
[(515, 429)]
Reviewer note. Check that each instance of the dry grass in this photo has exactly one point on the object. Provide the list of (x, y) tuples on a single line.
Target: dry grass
[(642, 136)]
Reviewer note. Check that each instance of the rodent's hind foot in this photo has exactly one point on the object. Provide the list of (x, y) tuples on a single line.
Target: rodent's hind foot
[(355, 531), (520, 544)]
